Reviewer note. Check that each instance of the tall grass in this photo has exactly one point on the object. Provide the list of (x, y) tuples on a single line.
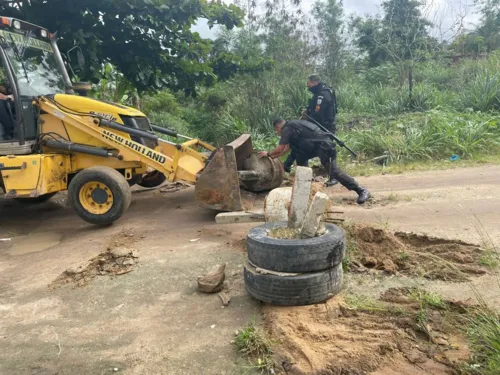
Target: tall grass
[(433, 135)]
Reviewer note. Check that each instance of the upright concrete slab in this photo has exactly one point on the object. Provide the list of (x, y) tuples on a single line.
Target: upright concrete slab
[(312, 222), (300, 197)]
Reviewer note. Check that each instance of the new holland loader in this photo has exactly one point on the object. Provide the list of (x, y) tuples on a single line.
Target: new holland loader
[(53, 138)]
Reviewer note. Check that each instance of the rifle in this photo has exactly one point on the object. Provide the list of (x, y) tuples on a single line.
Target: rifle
[(339, 142)]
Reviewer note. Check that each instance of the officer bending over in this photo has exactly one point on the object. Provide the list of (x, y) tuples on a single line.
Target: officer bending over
[(306, 140)]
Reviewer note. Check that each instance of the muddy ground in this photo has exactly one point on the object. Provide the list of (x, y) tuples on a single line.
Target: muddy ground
[(151, 319)]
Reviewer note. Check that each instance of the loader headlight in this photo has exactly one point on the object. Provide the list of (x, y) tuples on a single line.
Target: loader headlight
[(44, 33), (16, 24)]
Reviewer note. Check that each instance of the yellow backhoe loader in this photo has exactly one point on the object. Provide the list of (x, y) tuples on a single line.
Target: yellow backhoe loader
[(53, 138)]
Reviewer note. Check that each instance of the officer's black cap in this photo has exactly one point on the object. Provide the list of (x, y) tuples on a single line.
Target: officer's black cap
[(314, 77)]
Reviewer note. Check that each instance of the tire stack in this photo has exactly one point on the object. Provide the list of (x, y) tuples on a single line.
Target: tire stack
[(294, 272)]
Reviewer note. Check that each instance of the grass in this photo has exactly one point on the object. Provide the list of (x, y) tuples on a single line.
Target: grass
[(484, 338), (370, 169), (404, 256), (490, 259), (253, 342), (428, 299), (367, 304)]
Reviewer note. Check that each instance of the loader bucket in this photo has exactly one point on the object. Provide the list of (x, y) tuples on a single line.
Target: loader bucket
[(232, 166)]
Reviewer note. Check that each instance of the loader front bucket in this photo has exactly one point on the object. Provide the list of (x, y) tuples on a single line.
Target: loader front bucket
[(232, 166)]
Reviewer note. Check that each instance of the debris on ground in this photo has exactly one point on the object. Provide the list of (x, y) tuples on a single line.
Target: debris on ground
[(350, 335), (212, 282), (118, 259), (402, 253), (225, 298), (175, 186), (113, 262)]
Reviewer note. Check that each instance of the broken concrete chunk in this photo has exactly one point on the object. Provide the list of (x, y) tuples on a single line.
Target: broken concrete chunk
[(312, 221), (213, 281)]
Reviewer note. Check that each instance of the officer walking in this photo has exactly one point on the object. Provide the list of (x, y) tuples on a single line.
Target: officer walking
[(323, 105), (306, 140), (322, 108)]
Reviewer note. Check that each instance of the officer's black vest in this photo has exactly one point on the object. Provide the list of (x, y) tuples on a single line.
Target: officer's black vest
[(313, 135)]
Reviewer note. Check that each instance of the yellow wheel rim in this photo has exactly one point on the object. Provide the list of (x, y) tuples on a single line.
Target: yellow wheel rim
[(96, 198)]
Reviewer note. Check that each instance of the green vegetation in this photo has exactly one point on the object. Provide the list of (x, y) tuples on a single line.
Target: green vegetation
[(403, 106), (252, 342), (427, 299), (484, 336)]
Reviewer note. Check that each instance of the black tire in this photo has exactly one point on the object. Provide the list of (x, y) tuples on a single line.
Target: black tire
[(39, 199), (111, 180), (303, 289), (152, 180), (295, 256), (135, 178)]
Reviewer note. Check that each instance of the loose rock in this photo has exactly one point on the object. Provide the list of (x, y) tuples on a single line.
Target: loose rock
[(213, 281)]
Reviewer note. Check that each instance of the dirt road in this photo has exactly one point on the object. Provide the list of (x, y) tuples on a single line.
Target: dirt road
[(152, 320)]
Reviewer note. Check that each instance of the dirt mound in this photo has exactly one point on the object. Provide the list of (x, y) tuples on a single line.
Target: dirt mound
[(342, 337), (412, 254), (118, 259)]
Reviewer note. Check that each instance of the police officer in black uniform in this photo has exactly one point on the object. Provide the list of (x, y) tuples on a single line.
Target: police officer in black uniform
[(323, 105), (306, 140), (322, 108)]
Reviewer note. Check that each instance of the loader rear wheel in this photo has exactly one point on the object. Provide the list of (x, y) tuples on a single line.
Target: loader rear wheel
[(99, 195), (152, 180)]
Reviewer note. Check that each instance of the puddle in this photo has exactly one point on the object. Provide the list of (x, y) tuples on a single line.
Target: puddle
[(34, 243)]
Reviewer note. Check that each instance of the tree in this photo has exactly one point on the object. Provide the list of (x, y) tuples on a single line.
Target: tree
[(401, 36), (489, 28), (329, 16), (149, 41)]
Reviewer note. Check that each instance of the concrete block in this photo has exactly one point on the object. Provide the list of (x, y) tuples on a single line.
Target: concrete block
[(238, 217), (277, 204), (312, 222), (300, 197)]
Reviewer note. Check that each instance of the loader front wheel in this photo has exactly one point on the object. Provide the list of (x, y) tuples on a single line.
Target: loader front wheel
[(99, 195)]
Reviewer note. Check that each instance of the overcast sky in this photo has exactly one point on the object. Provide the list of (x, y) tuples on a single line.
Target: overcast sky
[(444, 12)]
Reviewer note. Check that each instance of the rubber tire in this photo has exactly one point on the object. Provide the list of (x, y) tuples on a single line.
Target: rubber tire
[(135, 178), (303, 289), (158, 179), (117, 183), (34, 200), (295, 256)]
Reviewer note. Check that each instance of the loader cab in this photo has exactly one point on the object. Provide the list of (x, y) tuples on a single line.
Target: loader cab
[(31, 66)]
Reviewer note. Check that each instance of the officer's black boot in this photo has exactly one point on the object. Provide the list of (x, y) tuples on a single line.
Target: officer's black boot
[(363, 195), (331, 181)]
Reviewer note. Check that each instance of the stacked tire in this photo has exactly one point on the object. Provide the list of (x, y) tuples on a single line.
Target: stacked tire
[(294, 272)]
